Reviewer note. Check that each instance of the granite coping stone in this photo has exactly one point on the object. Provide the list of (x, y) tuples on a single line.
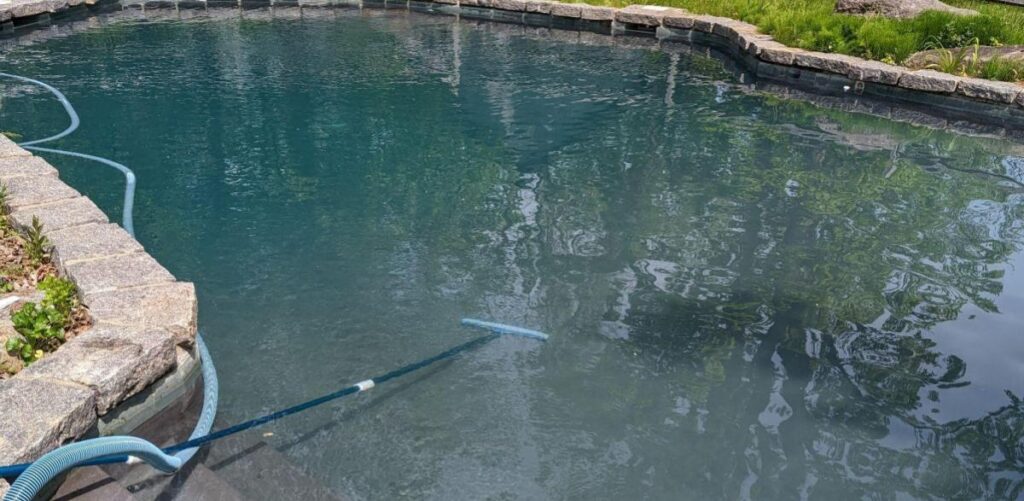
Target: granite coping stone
[(775, 52), (571, 10), (167, 306), (511, 5), (41, 414), (117, 272), (27, 8), (539, 6), (22, 166), (1002, 92), (875, 71), (681, 20), (59, 215), (114, 362), (595, 13), (707, 24), (36, 190), (829, 63), (930, 81), (9, 148), (90, 241), (645, 15)]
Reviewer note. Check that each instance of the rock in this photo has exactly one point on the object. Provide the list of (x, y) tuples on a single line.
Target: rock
[(988, 90), (594, 13), (929, 81), (645, 15), (59, 215), (897, 8), (31, 8), (35, 190), (25, 166), (875, 71), (9, 149), (114, 362), (3, 488), (512, 5), (832, 63), (538, 6), (118, 272), (9, 364), (926, 58), (775, 52), (90, 241), (171, 307), (40, 415), (570, 10), (680, 20)]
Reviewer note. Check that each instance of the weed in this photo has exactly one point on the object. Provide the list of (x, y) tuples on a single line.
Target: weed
[(958, 61), (41, 328), (37, 246), (59, 293), (42, 325), (5, 225)]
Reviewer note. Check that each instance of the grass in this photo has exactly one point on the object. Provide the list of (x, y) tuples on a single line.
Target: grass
[(814, 25)]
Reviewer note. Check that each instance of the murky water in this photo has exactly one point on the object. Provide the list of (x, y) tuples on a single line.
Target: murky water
[(748, 297)]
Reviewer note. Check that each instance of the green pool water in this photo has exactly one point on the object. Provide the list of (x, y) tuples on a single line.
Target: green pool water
[(748, 297)]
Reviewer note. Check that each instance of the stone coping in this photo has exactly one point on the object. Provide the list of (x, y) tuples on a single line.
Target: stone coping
[(144, 320)]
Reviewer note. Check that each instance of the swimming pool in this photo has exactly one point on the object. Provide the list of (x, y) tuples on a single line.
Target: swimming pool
[(748, 296)]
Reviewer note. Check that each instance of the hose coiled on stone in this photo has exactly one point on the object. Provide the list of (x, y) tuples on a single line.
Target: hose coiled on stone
[(46, 468)]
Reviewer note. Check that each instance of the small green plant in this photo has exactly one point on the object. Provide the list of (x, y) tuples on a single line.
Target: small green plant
[(5, 225), (13, 136), (37, 246), (59, 293), (42, 326)]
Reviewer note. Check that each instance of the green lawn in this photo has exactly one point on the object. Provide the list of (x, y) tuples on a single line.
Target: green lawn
[(812, 24)]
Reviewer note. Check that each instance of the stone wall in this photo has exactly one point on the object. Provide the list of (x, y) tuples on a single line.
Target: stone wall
[(144, 320)]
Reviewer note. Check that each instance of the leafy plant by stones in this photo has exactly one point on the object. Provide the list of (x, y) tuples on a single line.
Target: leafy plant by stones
[(42, 326)]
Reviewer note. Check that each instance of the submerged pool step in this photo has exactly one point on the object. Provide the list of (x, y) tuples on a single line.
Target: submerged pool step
[(262, 472), (92, 484), (240, 467)]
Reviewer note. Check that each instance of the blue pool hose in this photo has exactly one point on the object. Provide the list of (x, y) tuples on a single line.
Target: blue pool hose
[(31, 477)]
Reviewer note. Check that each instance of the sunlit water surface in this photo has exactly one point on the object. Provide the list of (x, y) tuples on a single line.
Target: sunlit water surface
[(747, 296)]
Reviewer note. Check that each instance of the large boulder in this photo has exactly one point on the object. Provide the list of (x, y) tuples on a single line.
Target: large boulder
[(897, 8)]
